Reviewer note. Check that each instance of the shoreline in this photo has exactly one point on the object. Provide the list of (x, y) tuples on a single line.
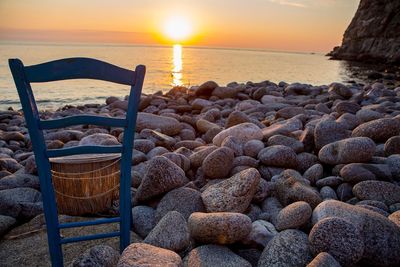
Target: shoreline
[(317, 167)]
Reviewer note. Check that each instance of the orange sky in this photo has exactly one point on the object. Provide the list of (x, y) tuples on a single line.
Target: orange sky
[(296, 25)]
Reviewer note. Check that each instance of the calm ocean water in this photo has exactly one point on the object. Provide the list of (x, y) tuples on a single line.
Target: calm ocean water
[(166, 67)]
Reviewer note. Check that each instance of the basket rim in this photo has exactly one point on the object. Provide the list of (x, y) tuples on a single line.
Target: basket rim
[(85, 158)]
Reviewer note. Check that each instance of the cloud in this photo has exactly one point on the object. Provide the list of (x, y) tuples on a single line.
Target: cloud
[(292, 3)]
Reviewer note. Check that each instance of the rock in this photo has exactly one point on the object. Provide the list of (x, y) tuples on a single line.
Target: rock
[(266, 99), (284, 127), (234, 144), (99, 139), (289, 248), (347, 107), (159, 139), (339, 238), (214, 256), (314, 173), (327, 192), (233, 194), (306, 160), (204, 125), (184, 200), (294, 144), (157, 151), (143, 220), (143, 145), (167, 125), (289, 112), (219, 227), (200, 103), (394, 217), (170, 233), (252, 148), (343, 151), (64, 135), (271, 208), (393, 162), (381, 236), (162, 175), (378, 130), (235, 118), (261, 233), (144, 255), (328, 131), (244, 132), (100, 255), (19, 179), (197, 158), (332, 181), (366, 41), (10, 165), (340, 89), (225, 92), (218, 163), (344, 192), (21, 203), (293, 216), (392, 146), (291, 187), (206, 88), (366, 115), (278, 156), (6, 222), (324, 259), (180, 160), (377, 190)]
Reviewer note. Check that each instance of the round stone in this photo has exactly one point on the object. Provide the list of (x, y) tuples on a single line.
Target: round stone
[(218, 163), (293, 216)]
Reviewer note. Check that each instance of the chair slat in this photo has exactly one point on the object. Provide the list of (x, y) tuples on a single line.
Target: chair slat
[(82, 119), (86, 223), (79, 68), (88, 237), (62, 152)]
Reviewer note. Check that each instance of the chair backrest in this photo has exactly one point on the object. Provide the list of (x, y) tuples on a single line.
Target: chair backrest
[(77, 68)]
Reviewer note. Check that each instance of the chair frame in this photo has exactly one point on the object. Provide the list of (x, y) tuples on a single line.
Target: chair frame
[(79, 68)]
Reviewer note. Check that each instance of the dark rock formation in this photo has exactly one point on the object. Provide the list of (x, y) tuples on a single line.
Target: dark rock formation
[(373, 35)]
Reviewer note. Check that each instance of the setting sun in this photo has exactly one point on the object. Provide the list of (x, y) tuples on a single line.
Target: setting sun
[(178, 28)]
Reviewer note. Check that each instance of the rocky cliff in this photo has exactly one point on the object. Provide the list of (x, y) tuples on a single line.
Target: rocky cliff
[(373, 35)]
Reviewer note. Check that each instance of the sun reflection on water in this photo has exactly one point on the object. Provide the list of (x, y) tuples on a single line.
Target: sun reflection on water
[(177, 66)]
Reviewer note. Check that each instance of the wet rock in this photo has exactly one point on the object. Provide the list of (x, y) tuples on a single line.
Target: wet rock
[(171, 233), (143, 220), (377, 190), (184, 200), (21, 203), (219, 227), (343, 151), (162, 175), (288, 248), (218, 163), (381, 236), (233, 194), (244, 132), (339, 238), (167, 125), (214, 256), (144, 255), (278, 156), (100, 255), (293, 216), (324, 259), (378, 130)]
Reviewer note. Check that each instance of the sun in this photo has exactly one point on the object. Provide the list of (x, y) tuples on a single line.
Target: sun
[(177, 28)]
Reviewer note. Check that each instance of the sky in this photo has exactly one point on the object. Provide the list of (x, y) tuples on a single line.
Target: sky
[(286, 25)]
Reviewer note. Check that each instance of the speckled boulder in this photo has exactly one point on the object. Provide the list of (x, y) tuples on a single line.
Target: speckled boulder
[(233, 194), (21, 203), (324, 259), (261, 233), (343, 151), (278, 156), (100, 139), (293, 216), (289, 248), (143, 220), (378, 130), (206, 88), (197, 158), (219, 227), (245, 132), (218, 163), (294, 144), (167, 125), (252, 148), (392, 146), (100, 255), (214, 256), (171, 233), (6, 222), (377, 190), (144, 255), (184, 200), (339, 238), (328, 131), (395, 217), (162, 175), (381, 236)]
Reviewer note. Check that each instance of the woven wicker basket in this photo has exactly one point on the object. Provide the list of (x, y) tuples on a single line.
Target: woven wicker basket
[(85, 184)]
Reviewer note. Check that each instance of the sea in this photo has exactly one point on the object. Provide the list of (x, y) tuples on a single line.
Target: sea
[(167, 66)]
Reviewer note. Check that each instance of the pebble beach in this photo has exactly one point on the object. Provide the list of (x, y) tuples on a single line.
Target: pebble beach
[(247, 174)]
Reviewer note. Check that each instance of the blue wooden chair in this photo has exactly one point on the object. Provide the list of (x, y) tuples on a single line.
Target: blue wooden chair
[(78, 68)]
